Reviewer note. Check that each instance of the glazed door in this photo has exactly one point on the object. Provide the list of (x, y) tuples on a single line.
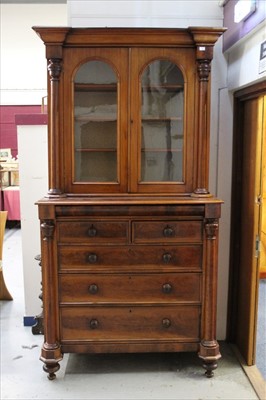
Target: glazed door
[(162, 115), (96, 90)]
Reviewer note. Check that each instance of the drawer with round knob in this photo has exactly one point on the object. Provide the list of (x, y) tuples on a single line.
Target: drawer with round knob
[(128, 288), (181, 323), (93, 232), (90, 258), (166, 231)]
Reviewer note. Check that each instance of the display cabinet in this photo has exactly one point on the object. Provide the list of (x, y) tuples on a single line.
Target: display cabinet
[(129, 229)]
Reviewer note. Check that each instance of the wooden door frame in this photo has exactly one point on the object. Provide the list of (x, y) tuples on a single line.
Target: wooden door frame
[(240, 97)]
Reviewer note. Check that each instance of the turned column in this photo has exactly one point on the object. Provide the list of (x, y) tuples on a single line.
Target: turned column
[(204, 39), (54, 71), (54, 40), (204, 57), (209, 347), (51, 352)]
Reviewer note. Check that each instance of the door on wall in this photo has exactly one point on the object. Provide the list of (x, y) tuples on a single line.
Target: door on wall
[(262, 258), (247, 218)]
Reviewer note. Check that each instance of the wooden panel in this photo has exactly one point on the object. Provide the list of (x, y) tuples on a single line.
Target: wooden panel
[(114, 323), (130, 288), (167, 231), (130, 206), (120, 257), (247, 292), (93, 232), (136, 346), (262, 259)]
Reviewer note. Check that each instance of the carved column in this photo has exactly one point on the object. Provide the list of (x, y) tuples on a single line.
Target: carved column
[(204, 39), (54, 72), (51, 352), (54, 40), (209, 347), (204, 57)]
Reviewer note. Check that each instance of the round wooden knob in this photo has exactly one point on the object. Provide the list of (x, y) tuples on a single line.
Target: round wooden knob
[(93, 288), (94, 323), (166, 322), (92, 258), (167, 258), (168, 231), (167, 288), (92, 232)]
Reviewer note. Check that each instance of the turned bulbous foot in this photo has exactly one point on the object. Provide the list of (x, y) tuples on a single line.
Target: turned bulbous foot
[(51, 369), (210, 354), (210, 367)]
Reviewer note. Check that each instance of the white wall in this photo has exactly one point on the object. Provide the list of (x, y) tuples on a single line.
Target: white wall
[(23, 63), (243, 60), (144, 13)]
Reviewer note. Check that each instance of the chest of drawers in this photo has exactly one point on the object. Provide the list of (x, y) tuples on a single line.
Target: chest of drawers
[(129, 278)]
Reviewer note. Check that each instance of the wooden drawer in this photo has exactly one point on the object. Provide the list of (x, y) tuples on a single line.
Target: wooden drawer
[(97, 288), (133, 323), (166, 231), (119, 257), (93, 232)]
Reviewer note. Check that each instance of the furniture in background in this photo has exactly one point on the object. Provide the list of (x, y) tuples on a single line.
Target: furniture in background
[(11, 202), (129, 228), (10, 190)]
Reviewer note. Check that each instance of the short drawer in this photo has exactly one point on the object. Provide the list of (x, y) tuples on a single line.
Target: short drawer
[(97, 288), (109, 323), (119, 257), (166, 231), (93, 231)]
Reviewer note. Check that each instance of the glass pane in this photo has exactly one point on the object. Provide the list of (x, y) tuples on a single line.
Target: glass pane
[(95, 113), (162, 123)]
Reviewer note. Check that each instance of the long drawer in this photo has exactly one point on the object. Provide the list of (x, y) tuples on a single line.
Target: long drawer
[(130, 323), (98, 288), (94, 232), (88, 257), (166, 231)]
